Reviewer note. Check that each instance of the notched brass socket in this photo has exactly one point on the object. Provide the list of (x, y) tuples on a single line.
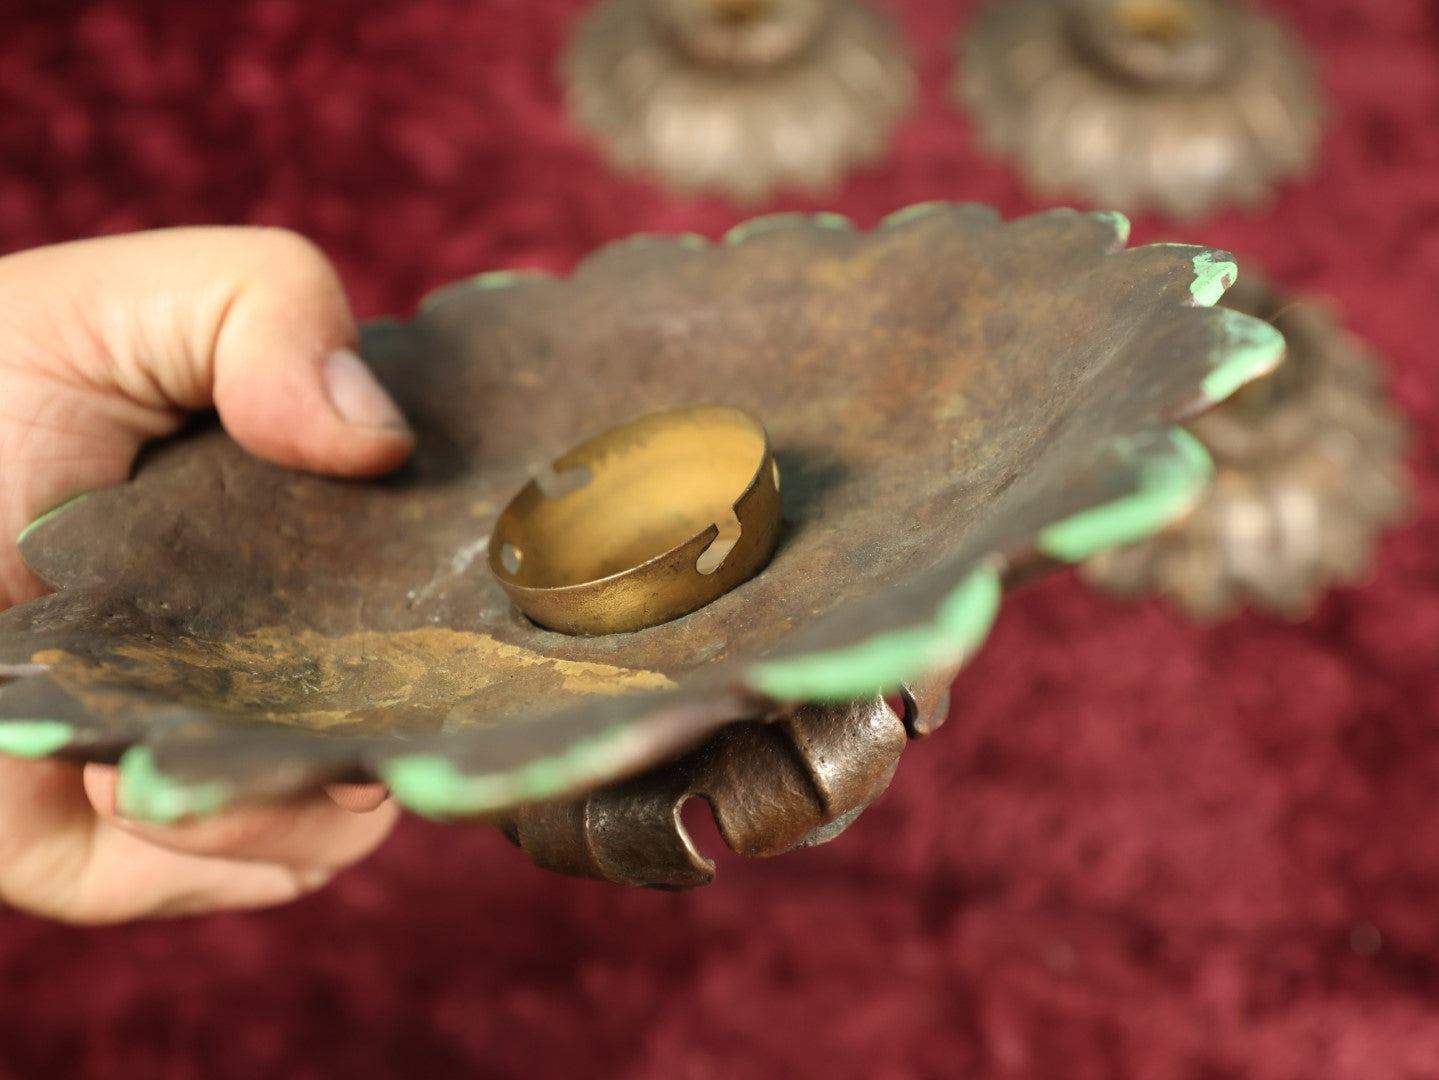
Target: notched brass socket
[(644, 523)]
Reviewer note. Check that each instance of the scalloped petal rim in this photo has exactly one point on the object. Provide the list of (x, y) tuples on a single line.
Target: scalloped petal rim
[(1172, 475), (51, 515)]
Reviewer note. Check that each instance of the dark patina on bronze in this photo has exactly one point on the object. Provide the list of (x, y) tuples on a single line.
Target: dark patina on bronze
[(952, 401)]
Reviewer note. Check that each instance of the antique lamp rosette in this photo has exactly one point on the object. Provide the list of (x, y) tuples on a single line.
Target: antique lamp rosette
[(738, 97), (1309, 472), (1180, 106), (950, 402)]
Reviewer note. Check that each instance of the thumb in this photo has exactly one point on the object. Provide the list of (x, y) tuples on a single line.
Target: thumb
[(108, 342), (253, 321)]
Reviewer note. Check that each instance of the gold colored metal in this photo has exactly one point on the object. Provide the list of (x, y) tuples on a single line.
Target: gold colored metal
[(644, 523)]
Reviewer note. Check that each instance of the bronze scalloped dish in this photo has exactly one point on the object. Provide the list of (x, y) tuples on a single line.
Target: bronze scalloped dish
[(952, 401)]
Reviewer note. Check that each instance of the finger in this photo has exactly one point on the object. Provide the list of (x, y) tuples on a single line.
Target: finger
[(59, 861), (254, 321), (129, 878), (312, 834), (358, 798), (109, 341)]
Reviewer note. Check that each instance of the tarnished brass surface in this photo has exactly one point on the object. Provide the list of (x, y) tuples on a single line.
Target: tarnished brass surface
[(1309, 474), (659, 517), (1181, 106), (738, 97)]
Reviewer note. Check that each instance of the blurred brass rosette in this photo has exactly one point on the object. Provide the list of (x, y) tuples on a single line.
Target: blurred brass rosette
[(738, 97), (1178, 106)]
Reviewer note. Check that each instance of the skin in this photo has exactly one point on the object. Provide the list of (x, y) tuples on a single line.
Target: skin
[(107, 344)]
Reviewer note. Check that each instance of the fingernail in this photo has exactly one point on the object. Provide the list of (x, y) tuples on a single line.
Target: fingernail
[(312, 880), (357, 798), (356, 394)]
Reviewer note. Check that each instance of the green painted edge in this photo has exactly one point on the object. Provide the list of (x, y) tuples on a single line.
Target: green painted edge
[(886, 660), (1171, 482), (489, 281), (787, 220), (1116, 221), (504, 279), (914, 212), (147, 794), (34, 738), (1252, 349), (433, 786), (1214, 272), (51, 515)]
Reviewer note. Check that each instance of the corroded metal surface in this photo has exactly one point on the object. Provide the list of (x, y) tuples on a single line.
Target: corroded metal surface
[(1177, 105), (951, 401), (738, 97), (1309, 473)]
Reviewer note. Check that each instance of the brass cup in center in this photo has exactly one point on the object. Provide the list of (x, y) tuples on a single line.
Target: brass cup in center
[(644, 523)]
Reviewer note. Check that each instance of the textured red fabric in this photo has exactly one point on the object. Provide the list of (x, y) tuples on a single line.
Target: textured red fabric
[(1139, 849)]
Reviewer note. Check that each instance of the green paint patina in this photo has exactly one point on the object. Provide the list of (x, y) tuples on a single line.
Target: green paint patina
[(1252, 349), (791, 220), (1116, 221), (489, 281), (147, 794), (1214, 272), (435, 787), (1172, 477), (913, 213), (68, 504), (885, 661), (504, 279), (34, 738)]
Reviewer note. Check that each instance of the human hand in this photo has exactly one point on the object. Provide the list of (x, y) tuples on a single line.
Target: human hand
[(107, 344)]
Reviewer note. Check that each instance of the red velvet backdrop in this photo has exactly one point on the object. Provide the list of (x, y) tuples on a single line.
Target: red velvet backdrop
[(1139, 849)]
